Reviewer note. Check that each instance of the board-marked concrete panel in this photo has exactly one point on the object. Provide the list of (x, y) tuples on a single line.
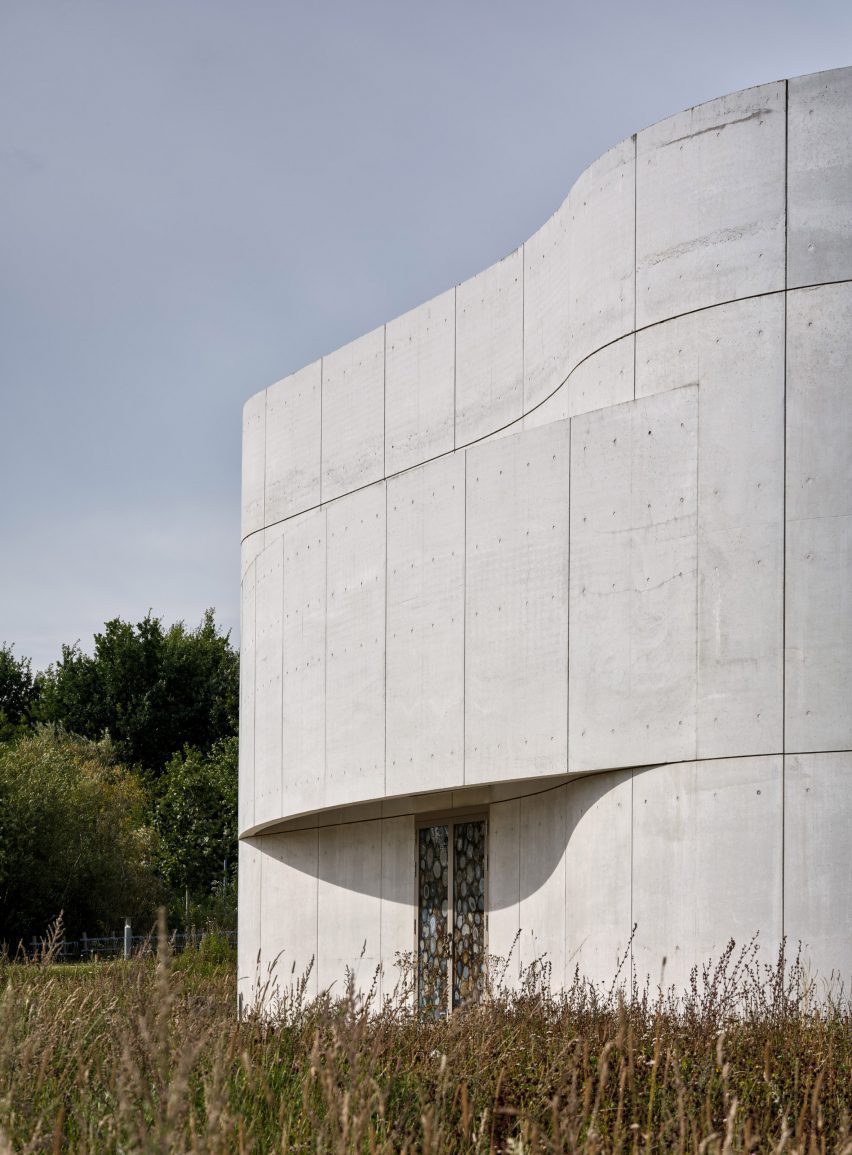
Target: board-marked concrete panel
[(355, 647), (425, 627), (420, 383), (489, 349), (632, 680), (353, 415), (293, 436), (516, 606)]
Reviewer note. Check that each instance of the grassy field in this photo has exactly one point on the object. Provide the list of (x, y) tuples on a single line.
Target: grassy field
[(146, 1056)]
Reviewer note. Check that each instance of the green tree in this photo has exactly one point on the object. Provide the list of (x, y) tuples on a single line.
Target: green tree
[(196, 818), (153, 690), (72, 838), (18, 694)]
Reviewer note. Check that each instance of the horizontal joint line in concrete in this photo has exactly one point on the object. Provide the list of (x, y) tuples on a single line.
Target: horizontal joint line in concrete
[(518, 420), (567, 779)]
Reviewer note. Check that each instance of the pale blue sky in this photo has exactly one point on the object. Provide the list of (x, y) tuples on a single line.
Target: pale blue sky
[(196, 198)]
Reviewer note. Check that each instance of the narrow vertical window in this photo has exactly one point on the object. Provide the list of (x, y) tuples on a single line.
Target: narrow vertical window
[(432, 945), (468, 910), (451, 920)]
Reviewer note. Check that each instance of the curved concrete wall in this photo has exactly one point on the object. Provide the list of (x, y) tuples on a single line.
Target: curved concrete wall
[(589, 513)]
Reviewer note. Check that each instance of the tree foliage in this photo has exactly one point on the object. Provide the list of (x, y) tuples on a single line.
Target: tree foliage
[(196, 817), (73, 837), (153, 690), (80, 832), (18, 694)]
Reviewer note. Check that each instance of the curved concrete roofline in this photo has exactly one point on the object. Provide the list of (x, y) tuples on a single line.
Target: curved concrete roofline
[(597, 160), (559, 381)]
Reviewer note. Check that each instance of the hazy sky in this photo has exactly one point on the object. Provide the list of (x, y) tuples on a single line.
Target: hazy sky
[(196, 198)]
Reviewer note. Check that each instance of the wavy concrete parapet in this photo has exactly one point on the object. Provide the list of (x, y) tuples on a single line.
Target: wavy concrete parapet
[(589, 511), (687, 214)]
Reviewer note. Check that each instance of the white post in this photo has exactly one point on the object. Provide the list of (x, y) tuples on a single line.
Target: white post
[(127, 938)]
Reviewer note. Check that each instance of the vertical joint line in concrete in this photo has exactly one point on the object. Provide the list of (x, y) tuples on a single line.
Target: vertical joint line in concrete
[(523, 329), (260, 919), (635, 276), (564, 792), (385, 649), (381, 898), (632, 821), (316, 907), (283, 571), (455, 357), (385, 640), (265, 412), (520, 827), (325, 650), (697, 564), (254, 695), (464, 627), (786, 180), (784, 517), (568, 616), (322, 389)]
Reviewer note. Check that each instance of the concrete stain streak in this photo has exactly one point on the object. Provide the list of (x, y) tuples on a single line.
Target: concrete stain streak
[(723, 124), (709, 240)]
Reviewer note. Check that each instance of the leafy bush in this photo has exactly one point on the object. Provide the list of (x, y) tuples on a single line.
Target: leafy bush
[(72, 838), (195, 814), (167, 698), (18, 694)]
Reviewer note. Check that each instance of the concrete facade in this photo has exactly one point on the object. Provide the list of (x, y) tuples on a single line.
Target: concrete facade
[(569, 549)]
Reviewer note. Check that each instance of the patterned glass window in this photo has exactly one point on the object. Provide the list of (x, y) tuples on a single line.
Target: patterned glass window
[(451, 860), (432, 945), (468, 910)]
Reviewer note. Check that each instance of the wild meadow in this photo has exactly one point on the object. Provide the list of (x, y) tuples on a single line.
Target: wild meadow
[(147, 1055)]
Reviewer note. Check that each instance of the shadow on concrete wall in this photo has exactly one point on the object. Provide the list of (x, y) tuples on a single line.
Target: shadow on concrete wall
[(375, 857)]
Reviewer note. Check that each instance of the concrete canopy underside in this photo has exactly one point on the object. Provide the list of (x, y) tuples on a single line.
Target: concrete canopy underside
[(570, 545)]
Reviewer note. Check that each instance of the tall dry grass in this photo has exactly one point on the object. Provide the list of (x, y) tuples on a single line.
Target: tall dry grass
[(147, 1056)]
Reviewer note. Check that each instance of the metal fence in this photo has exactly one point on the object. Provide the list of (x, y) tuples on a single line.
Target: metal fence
[(122, 945)]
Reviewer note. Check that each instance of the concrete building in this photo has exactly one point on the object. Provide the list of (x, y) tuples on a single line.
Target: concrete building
[(546, 609)]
